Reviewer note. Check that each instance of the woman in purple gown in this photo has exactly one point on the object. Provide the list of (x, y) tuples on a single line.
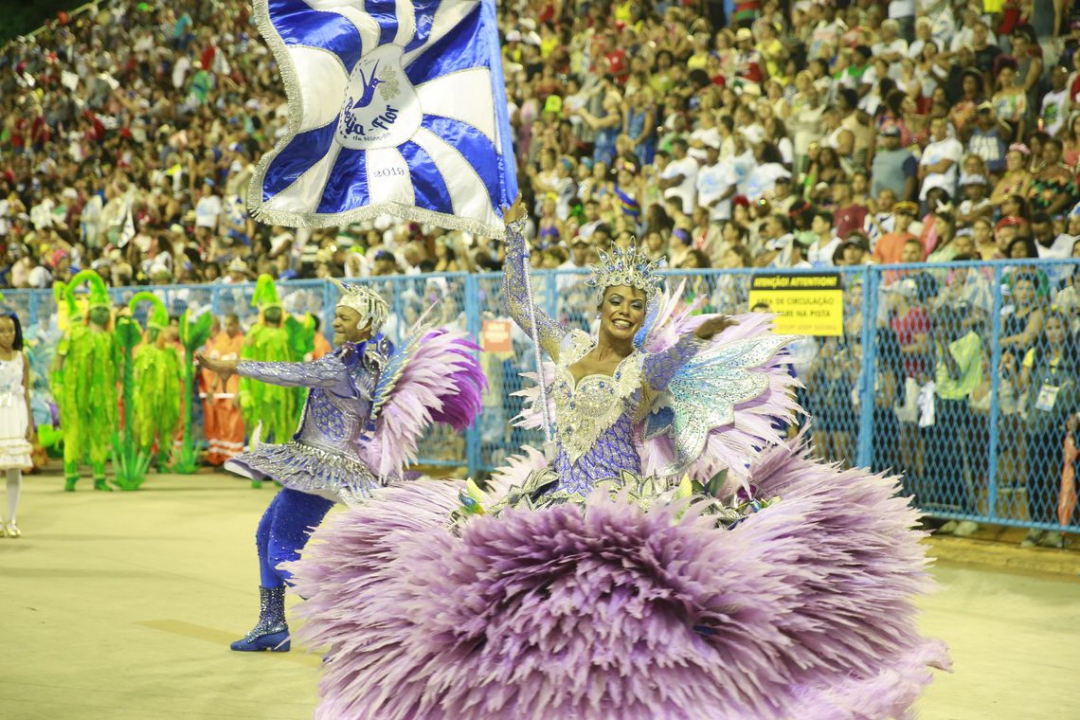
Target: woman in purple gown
[(674, 559)]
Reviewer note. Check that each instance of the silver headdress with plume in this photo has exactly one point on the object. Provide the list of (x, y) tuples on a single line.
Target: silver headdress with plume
[(371, 306), (626, 267)]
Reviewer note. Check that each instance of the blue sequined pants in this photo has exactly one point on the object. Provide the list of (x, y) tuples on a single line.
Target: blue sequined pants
[(284, 530)]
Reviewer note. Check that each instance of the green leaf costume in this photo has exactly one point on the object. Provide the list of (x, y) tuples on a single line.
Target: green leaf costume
[(157, 381), (193, 335), (89, 359)]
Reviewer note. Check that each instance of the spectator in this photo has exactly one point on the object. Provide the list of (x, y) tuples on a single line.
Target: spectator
[(829, 391), (982, 233), (207, 206), (1054, 187), (1067, 299), (1070, 138), (784, 196), (894, 167), (769, 168), (944, 232), (1016, 179), (446, 256), (781, 250), (1051, 245), (986, 53), (855, 250), (1055, 104), (1010, 98), (386, 264), (639, 122), (1048, 382), (911, 329), (825, 242), (968, 290), (890, 246), (958, 372), (606, 127), (1023, 321), (849, 215), (975, 205), (679, 177), (938, 167), (549, 227), (715, 184), (970, 98), (986, 139)]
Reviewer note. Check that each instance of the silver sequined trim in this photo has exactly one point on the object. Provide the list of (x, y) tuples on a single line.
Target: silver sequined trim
[(308, 469)]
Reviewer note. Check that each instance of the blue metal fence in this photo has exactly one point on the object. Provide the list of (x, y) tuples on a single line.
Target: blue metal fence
[(961, 376)]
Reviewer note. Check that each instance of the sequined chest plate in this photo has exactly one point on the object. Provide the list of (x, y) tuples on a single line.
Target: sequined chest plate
[(586, 409)]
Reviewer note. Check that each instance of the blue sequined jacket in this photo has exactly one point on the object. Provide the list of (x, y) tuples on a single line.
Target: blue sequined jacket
[(323, 458)]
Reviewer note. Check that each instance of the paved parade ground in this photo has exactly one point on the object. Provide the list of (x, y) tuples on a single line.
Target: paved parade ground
[(121, 606)]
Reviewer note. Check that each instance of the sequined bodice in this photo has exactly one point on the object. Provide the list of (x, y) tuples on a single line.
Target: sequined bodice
[(594, 418), (333, 423)]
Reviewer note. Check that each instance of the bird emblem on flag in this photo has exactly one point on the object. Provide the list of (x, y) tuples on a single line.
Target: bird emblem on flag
[(368, 87), (395, 107)]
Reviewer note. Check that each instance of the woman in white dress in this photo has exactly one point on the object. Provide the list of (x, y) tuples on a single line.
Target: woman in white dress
[(16, 431)]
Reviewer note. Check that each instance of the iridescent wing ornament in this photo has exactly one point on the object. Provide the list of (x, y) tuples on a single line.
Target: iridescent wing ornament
[(703, 395)]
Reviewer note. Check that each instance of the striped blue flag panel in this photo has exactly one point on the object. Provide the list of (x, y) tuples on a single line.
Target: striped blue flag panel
[(395, 106)]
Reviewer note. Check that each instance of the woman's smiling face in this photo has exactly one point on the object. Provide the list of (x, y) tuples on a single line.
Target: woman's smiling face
[(622, 312)]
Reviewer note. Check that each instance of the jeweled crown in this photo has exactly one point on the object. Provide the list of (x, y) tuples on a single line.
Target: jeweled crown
[(371, 306), (626, 267)]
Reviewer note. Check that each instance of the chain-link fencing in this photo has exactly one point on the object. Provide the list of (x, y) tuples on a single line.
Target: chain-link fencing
[(961, 377)]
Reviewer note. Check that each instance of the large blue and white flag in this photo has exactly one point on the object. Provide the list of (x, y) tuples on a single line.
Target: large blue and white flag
[(395, 106)]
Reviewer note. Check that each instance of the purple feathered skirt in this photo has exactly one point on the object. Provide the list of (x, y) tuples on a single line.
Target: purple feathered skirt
[(608, 610)]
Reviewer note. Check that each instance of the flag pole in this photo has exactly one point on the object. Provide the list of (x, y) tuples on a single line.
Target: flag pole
[(541, 378)]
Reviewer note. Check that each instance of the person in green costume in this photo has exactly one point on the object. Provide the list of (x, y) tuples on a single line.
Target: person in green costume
[(89, 357), (271, 411), (76, 323), (157, 380)]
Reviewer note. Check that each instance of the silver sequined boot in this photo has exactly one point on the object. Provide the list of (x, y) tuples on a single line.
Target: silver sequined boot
[(271, 632)]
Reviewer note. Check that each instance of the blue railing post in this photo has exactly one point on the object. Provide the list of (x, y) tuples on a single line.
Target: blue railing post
[(399, 309), (473, 327), (35, 301), (868, 396), (995, 384), (551, 293), (329, 309)]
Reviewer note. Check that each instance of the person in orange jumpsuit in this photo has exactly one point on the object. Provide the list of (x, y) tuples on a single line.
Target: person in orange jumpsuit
[(224, 425), (322, 345)]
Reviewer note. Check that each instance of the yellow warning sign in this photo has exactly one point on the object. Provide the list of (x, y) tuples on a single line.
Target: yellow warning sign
[(803, 304)]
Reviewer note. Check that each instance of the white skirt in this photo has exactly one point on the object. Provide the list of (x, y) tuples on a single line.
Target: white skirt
[(14, 448)]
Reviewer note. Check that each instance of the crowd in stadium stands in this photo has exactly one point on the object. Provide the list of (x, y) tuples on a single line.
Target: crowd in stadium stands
[(717, 133)]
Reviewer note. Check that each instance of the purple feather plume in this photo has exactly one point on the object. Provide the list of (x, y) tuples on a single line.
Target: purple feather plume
[(441, 382), (460, 407), (803, 610)]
